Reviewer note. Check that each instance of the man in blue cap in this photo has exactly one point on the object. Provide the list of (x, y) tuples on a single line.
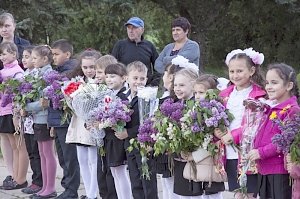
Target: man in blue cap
[(136, 48)]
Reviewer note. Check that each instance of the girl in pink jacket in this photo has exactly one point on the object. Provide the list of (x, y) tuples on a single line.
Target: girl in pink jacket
[(282, 90)]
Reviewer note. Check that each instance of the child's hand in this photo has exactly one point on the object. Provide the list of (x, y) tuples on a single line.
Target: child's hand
[(218, 133), (187, 156), (52, 132), (227, 138), (44, 103), (121, 134), (253, 155), (23, 113)]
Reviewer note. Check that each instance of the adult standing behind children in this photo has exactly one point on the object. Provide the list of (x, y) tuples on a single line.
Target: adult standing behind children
[(7, 33), (182, 45), (136, 48), (62, 51)]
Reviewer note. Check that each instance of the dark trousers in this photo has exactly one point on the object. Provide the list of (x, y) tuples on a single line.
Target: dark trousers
[(34, 158), (141, 188), (106, 182), (67, 157)]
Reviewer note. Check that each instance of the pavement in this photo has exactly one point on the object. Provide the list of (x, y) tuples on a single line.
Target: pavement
[(13, 194)]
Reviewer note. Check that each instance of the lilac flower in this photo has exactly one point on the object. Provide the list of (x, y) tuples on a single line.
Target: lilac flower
[(7, 98), (171, 109), (25, 87), (52, 76), (145, 131)]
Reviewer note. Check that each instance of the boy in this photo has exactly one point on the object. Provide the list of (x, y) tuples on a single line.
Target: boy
[(141, 188), (106, 183), (62, 51)]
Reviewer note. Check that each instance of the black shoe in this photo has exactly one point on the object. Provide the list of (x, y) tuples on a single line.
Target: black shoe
[(6, 182), (83, 197), (15, 185), (31, 189), (51, 195), (67, 195)]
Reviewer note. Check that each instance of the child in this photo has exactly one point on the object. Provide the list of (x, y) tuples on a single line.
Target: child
[(79, 135), (140, 187), (247, 82), (105, 179), (282, 89), (204, 83), (184, 82), (10, 142), (41, 58), (62, 51), (114, 147), (101, 64), (161, 162), (31, 143)]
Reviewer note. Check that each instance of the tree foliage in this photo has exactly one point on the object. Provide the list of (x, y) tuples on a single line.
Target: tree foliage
[(271, 27)]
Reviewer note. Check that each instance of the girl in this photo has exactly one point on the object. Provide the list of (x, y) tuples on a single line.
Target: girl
[(184, 81), (12, 146), (161, 162), (244, 73), (78, 134), (114, 147), (282, 89), (27, 124), (41, 58), (204, 83)]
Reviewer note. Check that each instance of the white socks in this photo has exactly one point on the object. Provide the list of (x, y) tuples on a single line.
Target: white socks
[(87, 158), (122, 182), (167, 187)]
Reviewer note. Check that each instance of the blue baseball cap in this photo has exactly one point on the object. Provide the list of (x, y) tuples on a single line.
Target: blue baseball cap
[(135, 21)]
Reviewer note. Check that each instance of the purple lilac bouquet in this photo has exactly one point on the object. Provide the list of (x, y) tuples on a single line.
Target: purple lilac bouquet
[(9, 89), (112, 112), (53, 92), (288, 140), (167, 123), (199, 121)]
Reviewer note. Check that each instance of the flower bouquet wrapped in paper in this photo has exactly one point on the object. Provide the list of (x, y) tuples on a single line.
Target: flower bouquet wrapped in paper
[(254, 112), (112, 112)]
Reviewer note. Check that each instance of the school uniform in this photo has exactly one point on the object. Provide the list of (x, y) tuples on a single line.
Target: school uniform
[(141, 188)]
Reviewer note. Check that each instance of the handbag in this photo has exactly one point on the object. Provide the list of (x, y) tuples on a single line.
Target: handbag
[(204, 170)]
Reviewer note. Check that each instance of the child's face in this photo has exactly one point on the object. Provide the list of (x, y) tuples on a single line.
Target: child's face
[(88, 67), (199, 91), (27, 60), (239, 73), (38, 60), (136, 79), (60, 57), (167, 79), (183, 87), (276, 88), (7, 57), (100, 75), (114, 81)]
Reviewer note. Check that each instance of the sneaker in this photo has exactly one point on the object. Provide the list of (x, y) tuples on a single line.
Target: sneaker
[(31, 189), (15, 185)]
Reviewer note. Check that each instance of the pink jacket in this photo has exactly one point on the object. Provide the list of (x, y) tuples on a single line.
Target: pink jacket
[(12, 70), (257, 92), (295, 174), (271, 161)]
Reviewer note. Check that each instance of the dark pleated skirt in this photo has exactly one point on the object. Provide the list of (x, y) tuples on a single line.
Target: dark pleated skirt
[(275, 186), (161, 165), (114, 152), (41, 132), (6, 124)]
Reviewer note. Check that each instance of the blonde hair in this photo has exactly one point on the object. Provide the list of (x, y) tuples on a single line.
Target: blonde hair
[(192, 75), (104, 61), (136, 66)]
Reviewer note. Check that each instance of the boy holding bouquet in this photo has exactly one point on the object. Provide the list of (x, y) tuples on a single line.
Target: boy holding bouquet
[(141, 188)]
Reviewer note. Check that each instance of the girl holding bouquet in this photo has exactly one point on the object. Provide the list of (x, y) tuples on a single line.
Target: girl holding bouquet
[(15, 155), (114, 147), (78, 133), (184, 81), (41, 58), (247, 82), (282, 90)]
